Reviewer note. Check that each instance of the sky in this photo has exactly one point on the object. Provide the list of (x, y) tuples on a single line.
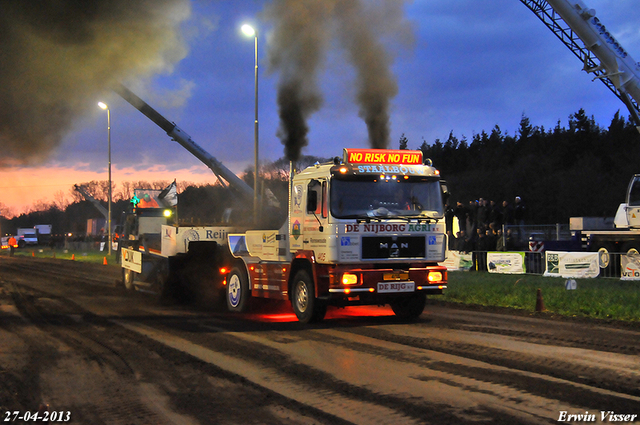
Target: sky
[(461, 66)]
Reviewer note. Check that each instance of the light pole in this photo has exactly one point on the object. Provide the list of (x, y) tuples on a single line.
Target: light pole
[(106, 107), (249, 31)]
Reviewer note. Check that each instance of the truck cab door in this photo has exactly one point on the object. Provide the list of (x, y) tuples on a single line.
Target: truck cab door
[(633, 202), (315, 213)]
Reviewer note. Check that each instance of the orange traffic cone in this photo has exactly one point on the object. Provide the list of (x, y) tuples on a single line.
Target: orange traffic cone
[(539, 301), (73, 256), (33, 254), (104, 262)]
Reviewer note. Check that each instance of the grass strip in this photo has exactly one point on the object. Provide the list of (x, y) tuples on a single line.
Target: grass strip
[(600, 298)]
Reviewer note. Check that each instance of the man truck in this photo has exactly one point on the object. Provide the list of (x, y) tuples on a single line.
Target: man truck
[(364, 230)]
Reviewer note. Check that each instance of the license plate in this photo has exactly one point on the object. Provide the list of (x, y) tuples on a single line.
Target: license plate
[(387, 287), (396, 276)]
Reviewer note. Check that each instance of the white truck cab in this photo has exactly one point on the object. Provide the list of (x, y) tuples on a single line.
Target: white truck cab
[(365, 230)]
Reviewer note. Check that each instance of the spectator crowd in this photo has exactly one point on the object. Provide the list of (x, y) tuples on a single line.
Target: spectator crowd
[(480, 225)]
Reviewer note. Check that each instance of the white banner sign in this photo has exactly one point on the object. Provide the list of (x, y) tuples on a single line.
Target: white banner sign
[(571, 264), (457, 261), (630, 267), (506, 262)]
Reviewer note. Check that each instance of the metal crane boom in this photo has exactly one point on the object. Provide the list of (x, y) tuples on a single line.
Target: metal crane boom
[(601, 54), (82, 190), (180, 136)]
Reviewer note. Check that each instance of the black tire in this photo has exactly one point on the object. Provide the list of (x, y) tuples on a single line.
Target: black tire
[(609, 263), (409, 308), (306, 306), (238, 293), (128, 276)]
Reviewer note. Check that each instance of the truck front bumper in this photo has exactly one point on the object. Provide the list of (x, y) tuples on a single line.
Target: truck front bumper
[(380, 284)]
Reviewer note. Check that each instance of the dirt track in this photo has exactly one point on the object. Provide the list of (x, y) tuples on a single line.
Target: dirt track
[(73, 342)]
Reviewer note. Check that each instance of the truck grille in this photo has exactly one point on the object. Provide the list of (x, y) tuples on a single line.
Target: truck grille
[(393, 247)]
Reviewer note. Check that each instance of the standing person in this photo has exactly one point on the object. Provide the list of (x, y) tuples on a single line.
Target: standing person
[(460, 213), (480, 253), (452, 242), (507, 213), (508, 241), (12, 245), (495, 215), (500, 245), (460, 241), (492, 239), (482, 215), (472, 224), (519, 213), (449, 214)]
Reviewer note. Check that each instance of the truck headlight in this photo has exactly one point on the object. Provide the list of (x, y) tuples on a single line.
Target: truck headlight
[(349, 279), (435, 277)]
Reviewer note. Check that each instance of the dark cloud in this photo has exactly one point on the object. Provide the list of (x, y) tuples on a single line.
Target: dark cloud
[(57, 57)]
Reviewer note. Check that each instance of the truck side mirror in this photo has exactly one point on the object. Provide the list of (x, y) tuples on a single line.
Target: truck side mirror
[(444, 191), (312, 201)]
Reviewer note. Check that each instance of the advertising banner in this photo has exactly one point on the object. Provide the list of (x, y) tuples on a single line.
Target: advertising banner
[(571, 264), (506, 262), (457, 261), (630, 267)]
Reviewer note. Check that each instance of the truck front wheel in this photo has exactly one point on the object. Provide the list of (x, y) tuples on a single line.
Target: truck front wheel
[(305, 305), (409, 308), (238, 291)]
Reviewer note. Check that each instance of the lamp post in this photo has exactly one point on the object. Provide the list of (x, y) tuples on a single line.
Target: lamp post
[(106, 107), (249, 31)]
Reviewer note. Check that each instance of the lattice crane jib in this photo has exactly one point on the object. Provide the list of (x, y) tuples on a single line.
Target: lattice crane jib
[(589, 40)]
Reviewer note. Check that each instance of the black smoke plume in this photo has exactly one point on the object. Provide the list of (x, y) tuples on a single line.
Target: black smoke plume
[(304, 30), (58, 57)]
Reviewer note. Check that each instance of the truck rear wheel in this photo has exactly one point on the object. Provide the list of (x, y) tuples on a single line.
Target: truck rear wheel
[(409, 308), (238, 292), (128, 277), (305, 305)]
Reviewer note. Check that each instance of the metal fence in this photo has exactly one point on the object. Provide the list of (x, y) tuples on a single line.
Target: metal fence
[(611, 266)]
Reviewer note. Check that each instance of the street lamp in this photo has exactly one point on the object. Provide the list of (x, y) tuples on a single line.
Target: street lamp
[(106, 107), (249, 31)]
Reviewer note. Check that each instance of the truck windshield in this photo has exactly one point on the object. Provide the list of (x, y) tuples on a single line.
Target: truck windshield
[(385, 198)]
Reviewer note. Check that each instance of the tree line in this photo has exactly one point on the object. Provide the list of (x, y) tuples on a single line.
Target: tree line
[(566, 171)]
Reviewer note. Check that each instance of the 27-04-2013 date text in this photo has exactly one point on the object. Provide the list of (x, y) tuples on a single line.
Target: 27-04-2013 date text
[(46, 416)]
